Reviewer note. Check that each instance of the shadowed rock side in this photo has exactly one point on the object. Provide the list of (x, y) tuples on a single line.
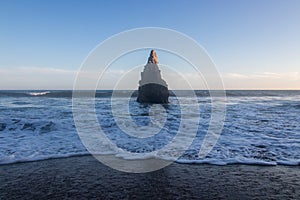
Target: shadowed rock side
[(152, 88)]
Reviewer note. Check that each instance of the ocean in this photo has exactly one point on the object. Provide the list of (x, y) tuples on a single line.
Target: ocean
[(261, 127)]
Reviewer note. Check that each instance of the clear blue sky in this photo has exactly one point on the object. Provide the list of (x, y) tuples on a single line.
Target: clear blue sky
[(247, 40)]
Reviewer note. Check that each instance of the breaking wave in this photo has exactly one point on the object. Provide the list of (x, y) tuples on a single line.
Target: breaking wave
[(260, 128)]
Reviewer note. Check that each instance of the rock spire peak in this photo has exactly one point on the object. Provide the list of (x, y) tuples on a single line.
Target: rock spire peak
[(153, 57)]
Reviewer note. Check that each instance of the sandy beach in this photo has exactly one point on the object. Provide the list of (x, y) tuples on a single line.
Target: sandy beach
[(84, 177)]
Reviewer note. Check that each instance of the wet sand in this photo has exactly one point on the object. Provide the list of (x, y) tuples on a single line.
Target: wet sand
[(84, 177)]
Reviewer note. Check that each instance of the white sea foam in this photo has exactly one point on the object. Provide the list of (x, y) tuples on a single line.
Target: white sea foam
[(39, 93), (258, 130)]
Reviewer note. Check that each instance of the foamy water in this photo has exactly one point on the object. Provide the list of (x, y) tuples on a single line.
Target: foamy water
[(261, 127)]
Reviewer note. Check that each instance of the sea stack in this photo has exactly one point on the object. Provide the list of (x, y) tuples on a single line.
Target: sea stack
[(152, 88)]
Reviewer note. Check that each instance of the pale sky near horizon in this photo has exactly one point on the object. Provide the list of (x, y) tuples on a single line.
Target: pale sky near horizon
[(254, 44)]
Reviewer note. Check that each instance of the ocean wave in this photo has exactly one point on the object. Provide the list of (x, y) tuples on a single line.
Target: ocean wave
[(59, 94), (35, 93), (263, 131), (38, 93), (33, 158), (11, 159), (19, 125)]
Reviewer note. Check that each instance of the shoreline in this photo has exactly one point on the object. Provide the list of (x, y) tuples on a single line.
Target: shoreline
[(297, 164), (81, 177)]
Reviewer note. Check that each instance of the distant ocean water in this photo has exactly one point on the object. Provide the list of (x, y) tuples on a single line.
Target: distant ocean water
[(261, 127)]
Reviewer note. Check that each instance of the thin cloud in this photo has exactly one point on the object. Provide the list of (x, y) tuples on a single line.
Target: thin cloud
[(36, 78), (290, 75), (265, 80), (56, 78)]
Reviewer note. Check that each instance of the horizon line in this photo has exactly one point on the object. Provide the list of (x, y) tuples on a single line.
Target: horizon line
[(237, 89)]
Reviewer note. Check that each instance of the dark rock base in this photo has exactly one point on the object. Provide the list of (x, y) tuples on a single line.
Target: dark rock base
[(153, 93)]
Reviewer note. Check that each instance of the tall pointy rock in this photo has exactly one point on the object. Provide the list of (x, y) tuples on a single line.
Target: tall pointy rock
[(152, 88)]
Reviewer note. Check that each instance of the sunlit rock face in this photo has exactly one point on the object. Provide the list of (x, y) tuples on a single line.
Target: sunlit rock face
[(152, 88)]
